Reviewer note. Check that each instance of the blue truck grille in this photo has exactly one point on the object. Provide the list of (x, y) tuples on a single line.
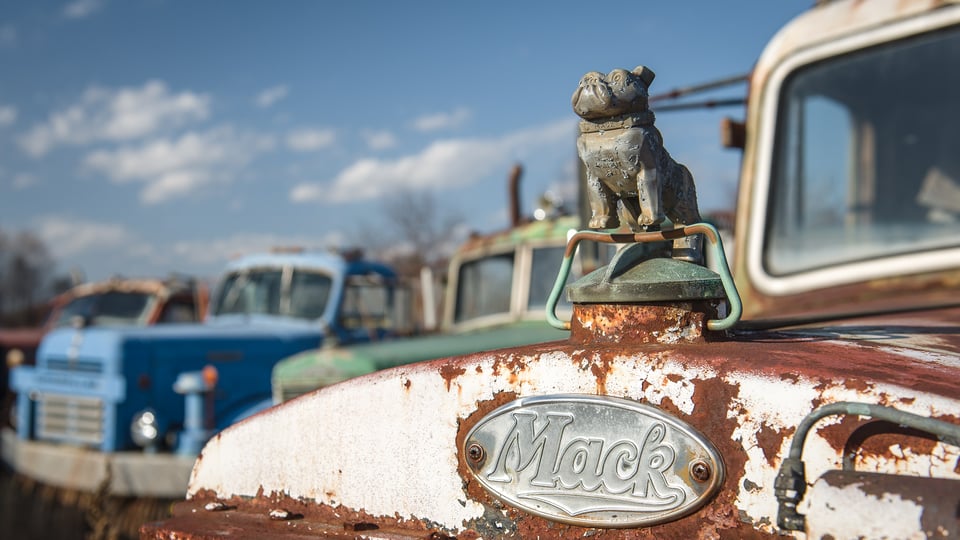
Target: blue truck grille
[(76, 365), (72, 419)]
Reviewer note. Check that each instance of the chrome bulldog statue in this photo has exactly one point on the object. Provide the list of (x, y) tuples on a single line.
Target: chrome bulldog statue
[(629, 172)]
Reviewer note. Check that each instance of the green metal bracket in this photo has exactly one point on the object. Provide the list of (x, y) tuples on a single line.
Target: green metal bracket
[(708, 231)]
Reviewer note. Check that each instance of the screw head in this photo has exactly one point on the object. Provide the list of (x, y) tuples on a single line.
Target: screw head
[(475, 453), (700, 471)]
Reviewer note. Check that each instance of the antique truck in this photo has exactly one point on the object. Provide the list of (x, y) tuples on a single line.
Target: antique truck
[(496, 290), (113, 302), (814, 392), (125, 410)]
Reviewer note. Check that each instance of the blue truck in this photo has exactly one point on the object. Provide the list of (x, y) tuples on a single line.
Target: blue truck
[(125, 410)]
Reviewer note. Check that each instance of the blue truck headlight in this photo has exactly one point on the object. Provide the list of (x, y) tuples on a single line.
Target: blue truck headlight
[(144, 430), (14, 358)]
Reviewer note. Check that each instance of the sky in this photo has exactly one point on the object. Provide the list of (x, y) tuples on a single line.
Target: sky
[(145, 137)]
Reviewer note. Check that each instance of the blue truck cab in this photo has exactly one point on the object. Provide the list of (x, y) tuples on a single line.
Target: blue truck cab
[(127, 409)]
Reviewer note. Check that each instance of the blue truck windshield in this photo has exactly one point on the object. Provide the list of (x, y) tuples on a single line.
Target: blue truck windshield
[(303, 294)]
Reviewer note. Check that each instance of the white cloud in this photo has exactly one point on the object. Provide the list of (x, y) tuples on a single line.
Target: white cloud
[(442, 165), (68, 237), (271, 95), (79, 9), (173, 168), (380, 140), (440, 121), (23, 181), (308, 140), (116, 115), (219, 250), (8, 115)]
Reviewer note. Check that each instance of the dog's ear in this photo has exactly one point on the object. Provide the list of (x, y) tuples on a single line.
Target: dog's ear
[(645, 74)]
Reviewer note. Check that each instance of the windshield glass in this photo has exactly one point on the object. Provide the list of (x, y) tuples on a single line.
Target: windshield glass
[(111, 308), (543, 274), (866, 164), (262, 291), (484, 287), (309, 292)]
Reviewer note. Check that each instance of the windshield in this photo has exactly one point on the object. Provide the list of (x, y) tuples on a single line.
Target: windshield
[(266, 291), (484, 287), (111, 308), (866, 164), (543, 274)]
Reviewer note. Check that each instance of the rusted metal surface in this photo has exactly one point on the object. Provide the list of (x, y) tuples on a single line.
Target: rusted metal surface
[(276, 515), (632, 323), (745, 394)]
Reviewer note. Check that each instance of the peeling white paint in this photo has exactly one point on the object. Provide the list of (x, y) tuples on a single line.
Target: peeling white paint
[(830, 510)]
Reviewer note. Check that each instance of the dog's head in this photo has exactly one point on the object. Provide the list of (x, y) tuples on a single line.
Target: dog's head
[(618, 92)]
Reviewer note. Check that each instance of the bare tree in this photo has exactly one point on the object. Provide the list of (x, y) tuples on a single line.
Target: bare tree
[(413, 233), (25, 272)]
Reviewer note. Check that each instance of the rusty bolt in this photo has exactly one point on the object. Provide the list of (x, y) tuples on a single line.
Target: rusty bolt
[(700, 471), (475, 453)]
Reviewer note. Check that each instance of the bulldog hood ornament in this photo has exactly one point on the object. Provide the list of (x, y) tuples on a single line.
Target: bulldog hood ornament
[(631, 177)]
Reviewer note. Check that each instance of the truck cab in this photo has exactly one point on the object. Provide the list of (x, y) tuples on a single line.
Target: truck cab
[(117, 301), (125, 409), (812, 392)]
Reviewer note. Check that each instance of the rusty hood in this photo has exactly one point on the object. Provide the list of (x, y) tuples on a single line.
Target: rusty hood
[(386, 450)]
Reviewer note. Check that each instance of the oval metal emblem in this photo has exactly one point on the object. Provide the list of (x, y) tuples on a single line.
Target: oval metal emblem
[(593, 461)]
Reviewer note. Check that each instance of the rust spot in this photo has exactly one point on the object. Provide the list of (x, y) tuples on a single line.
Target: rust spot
[(600, 368), (407, 384), (681, 322), (770, 441), (791, 377), (858, 385), (506, 362), (450, 371)]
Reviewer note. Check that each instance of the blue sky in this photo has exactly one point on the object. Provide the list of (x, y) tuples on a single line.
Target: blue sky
[(142, 137)]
